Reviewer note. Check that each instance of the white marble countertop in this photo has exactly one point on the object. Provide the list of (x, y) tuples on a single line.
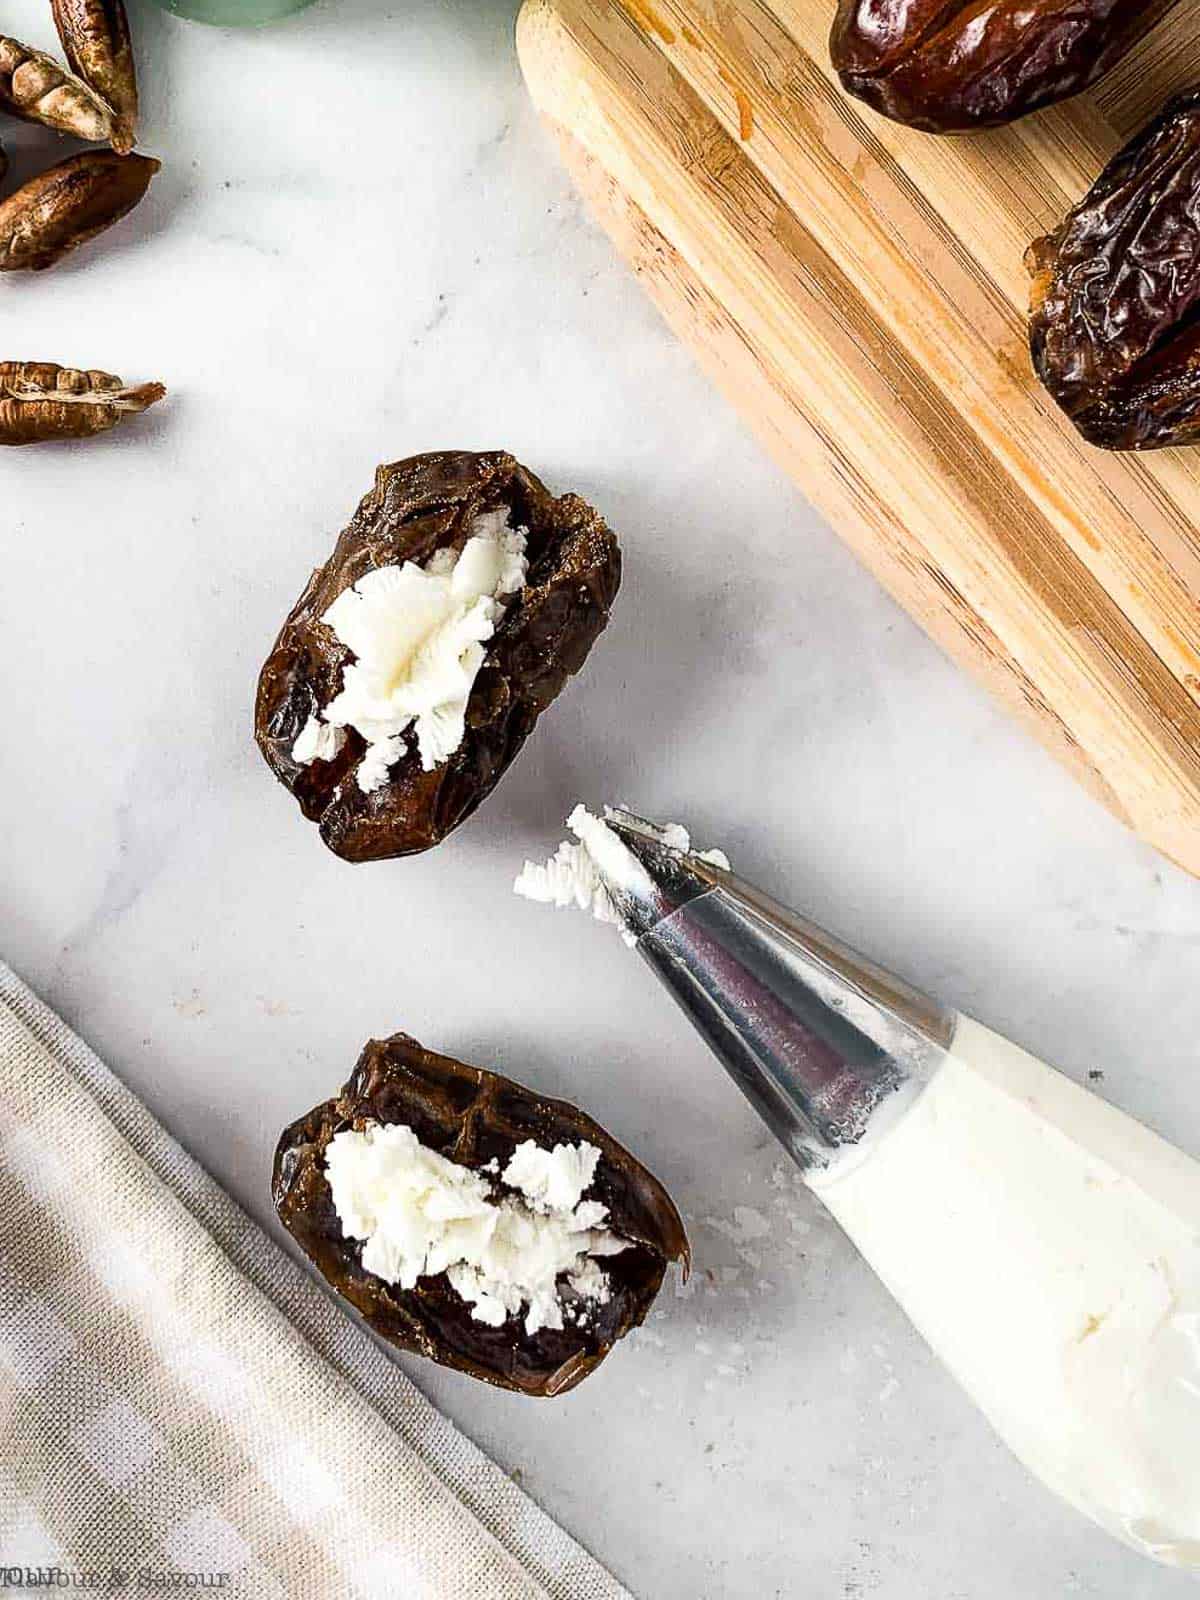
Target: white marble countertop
[(361, 246)]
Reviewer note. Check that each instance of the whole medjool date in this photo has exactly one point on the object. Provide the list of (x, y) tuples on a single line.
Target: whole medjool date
[(1115, 309), (476, 1119), (948, 66), (418, 508)]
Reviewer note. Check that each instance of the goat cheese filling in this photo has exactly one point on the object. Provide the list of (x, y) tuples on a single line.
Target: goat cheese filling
[(417, 1214), (418, 636)]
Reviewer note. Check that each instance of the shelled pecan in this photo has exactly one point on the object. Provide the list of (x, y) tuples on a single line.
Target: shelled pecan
[(40, 401), (95, 36), (34, 87), (948, 66), (1115, 311), (69, 204)]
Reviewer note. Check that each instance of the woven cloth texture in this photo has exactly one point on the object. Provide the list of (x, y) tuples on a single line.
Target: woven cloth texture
[(179, 1400)]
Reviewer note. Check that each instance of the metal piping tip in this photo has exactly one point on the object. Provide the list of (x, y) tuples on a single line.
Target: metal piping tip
[(671, 873), (655, 842), (819, 1039)]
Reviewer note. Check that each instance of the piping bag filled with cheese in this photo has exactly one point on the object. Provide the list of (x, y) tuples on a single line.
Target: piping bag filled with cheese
[(1045, 1244)]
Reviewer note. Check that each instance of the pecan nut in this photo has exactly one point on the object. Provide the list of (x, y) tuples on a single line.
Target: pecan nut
[(69, 204), (1114, 333), (36, 88), (948, 66), (418, 509), (95, 36), (476, 1119), (40, 401)]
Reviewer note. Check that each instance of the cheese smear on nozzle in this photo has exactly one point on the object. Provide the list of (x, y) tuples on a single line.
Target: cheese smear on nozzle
[(579, 872)]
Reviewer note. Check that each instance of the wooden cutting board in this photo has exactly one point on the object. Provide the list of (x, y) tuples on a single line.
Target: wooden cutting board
[(858, 290)]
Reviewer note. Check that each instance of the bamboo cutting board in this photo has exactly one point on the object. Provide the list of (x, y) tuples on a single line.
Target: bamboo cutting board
[(858, 290)]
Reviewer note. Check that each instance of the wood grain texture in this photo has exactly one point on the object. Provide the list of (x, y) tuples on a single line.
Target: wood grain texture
[(858, 290)]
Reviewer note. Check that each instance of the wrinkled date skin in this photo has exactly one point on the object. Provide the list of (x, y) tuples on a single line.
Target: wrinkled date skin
[(417, 507), (1115, 308), (948, 66), (40, 401), (473, 1117)]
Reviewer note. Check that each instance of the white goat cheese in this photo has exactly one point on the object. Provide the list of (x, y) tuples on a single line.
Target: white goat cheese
[(418, 1214), (418, 637), (578, 874)]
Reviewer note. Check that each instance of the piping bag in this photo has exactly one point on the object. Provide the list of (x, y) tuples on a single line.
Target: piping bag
[(1046, 1245)]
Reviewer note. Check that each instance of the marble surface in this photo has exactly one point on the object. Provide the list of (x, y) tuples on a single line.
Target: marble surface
[(361, 246)]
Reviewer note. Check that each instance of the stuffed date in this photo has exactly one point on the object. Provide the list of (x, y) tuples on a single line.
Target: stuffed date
[(948, 66), (454, 608), (474, 1222), (1115, 304)]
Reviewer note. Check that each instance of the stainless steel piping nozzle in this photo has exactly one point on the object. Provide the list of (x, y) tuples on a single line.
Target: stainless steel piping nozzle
[(825, 1045)]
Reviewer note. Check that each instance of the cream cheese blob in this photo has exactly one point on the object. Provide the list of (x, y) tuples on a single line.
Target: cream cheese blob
[(572, 875), (578, 872), (418, 1214), (418, 637)]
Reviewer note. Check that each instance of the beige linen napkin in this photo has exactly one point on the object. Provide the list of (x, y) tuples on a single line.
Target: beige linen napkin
[(178, 1397)]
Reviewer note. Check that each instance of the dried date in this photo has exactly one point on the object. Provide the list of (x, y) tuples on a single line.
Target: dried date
[(475, 1118), (36, 88), (40, 401), (418, 508), (1115, 307), (948, 66), (95, 36), (69, 204)]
